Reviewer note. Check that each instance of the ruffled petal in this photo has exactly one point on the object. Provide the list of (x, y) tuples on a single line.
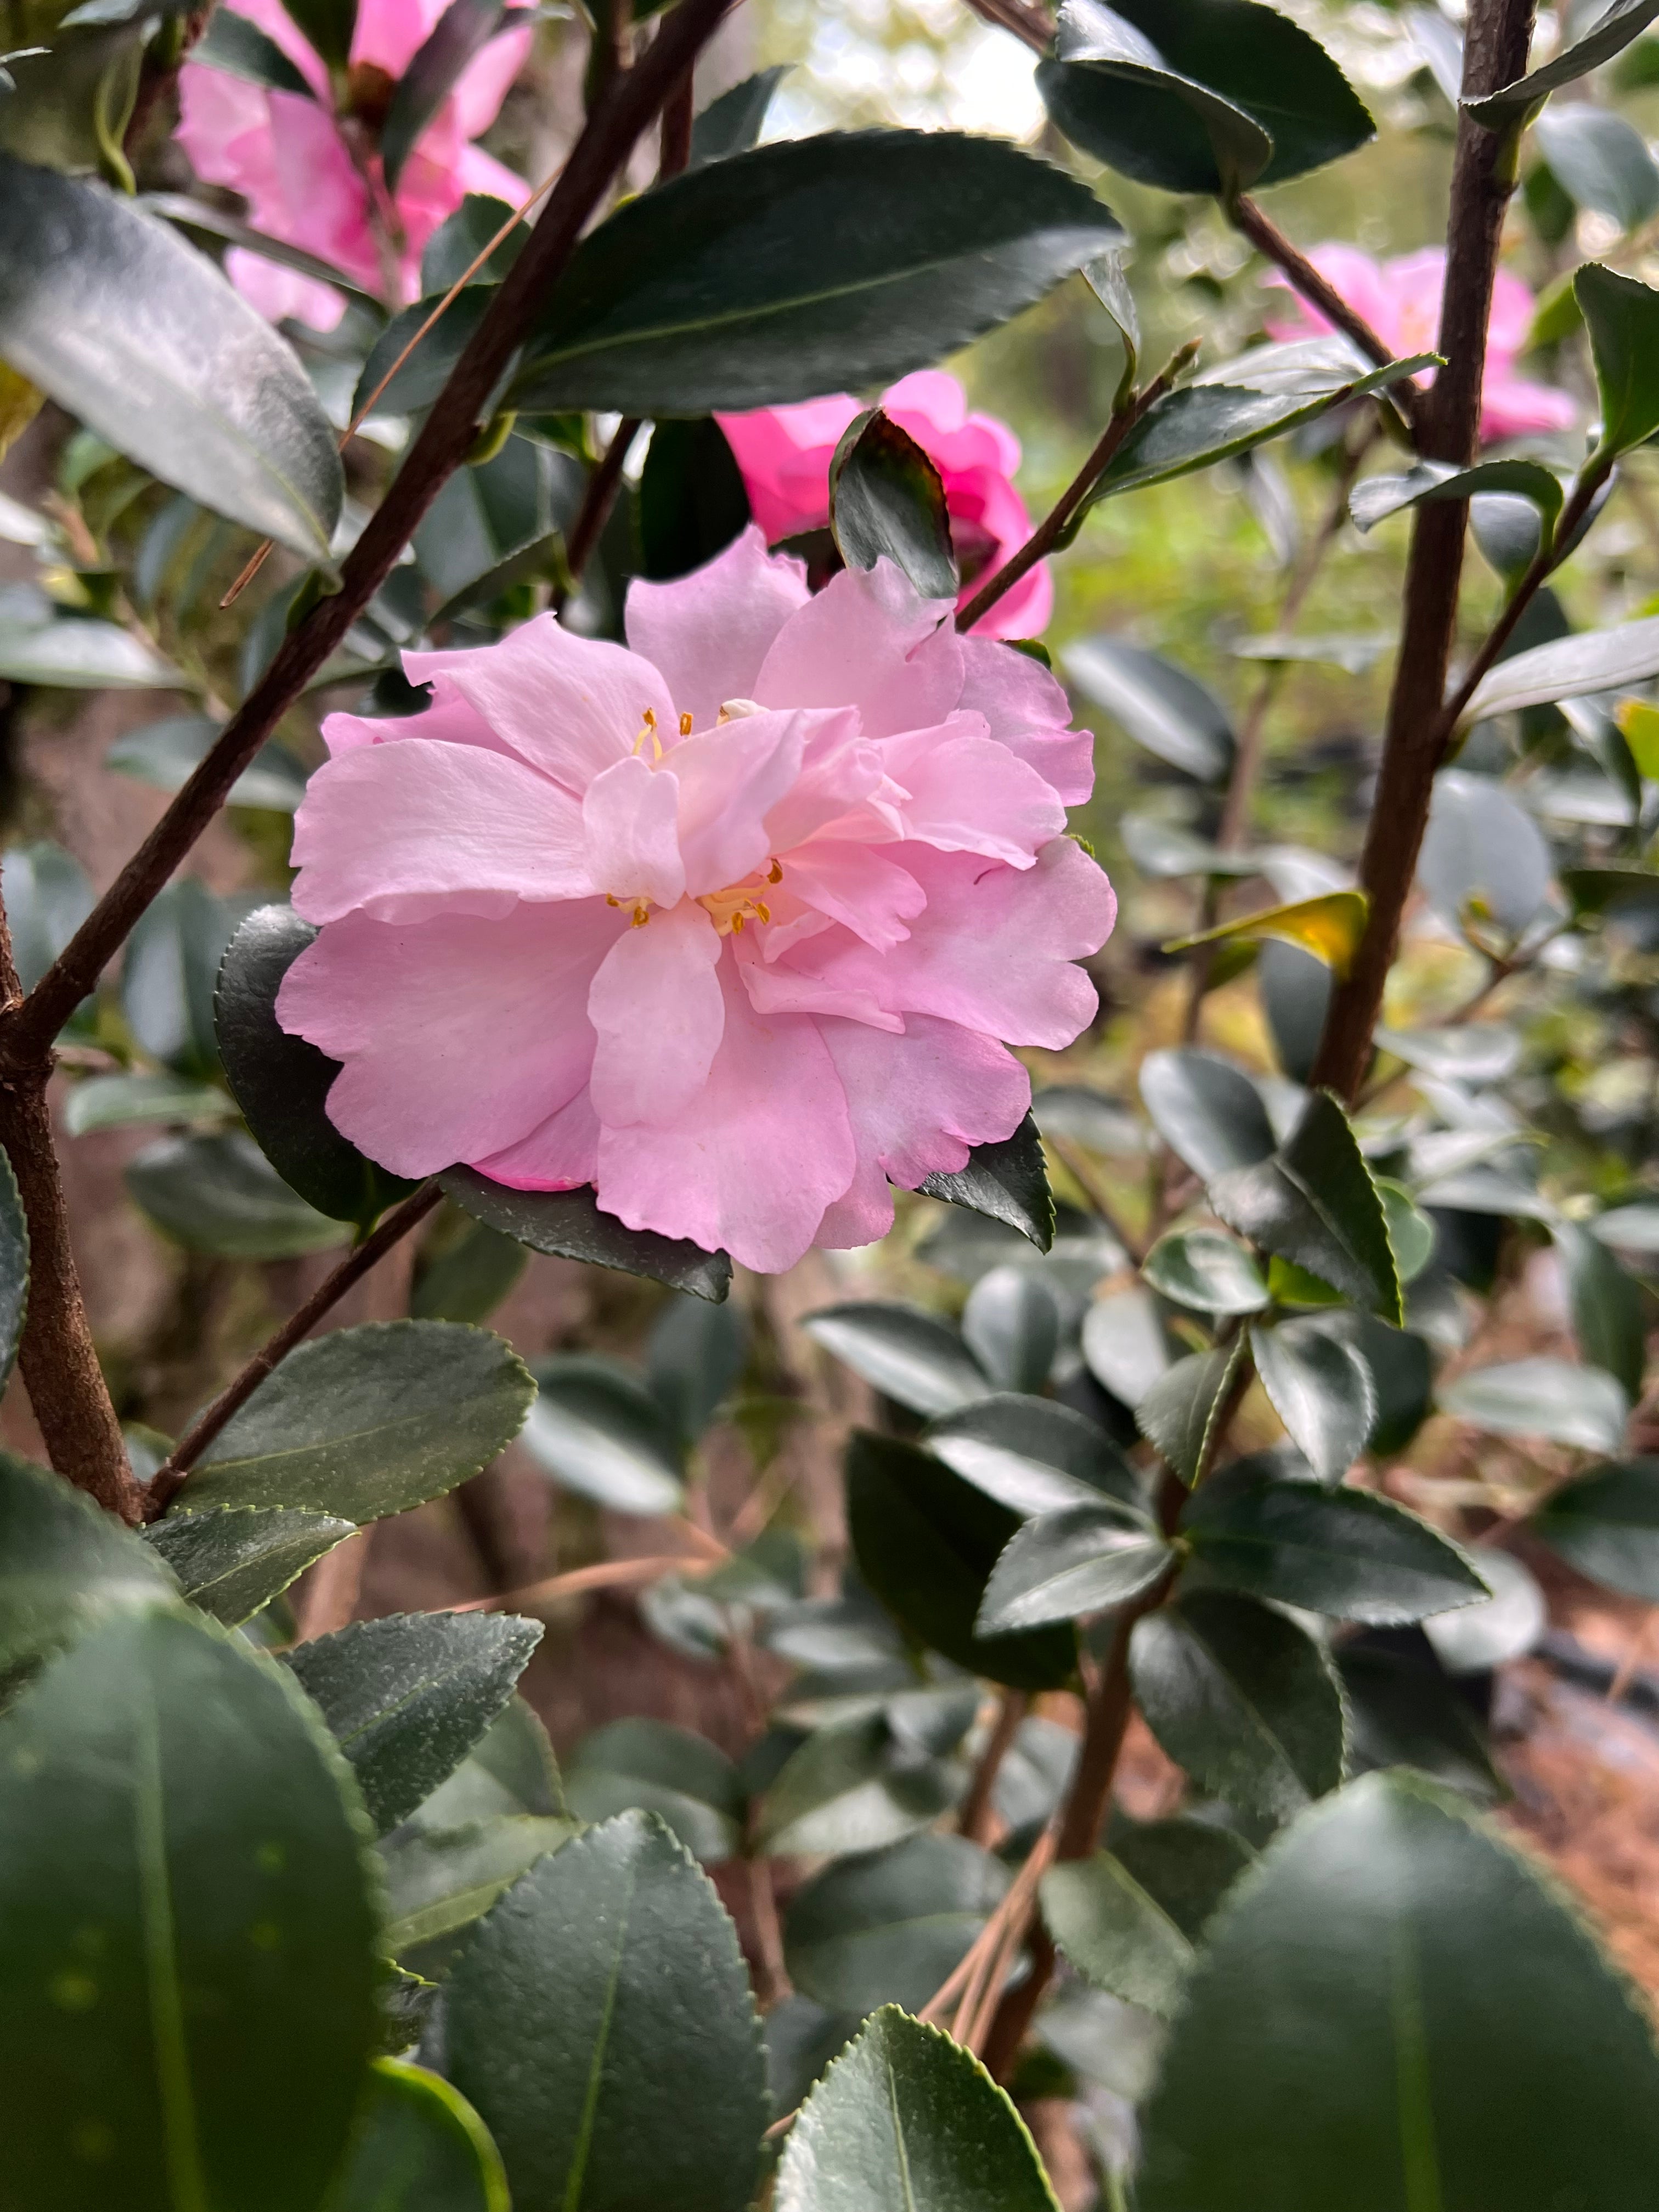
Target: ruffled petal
[(560, 1155), (867, 892), (631, 815), (709, 632), (966, 793), (752, 1162), (870, 640), (431, 822), (657, 1008), (784, 455), (1027, 710), (730, 779), (459, 1036)]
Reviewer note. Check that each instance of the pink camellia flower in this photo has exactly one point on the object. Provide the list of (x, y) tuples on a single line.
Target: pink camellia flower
[(1400, 301), (310, 174), (736, 924), (785, 452)]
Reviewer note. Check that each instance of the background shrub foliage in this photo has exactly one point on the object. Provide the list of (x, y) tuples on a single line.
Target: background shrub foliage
[(303, 1924)]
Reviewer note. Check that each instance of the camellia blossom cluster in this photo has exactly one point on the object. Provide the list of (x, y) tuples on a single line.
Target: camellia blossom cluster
[(735, 924), (1400, 301), (785, 452), (311, 174)]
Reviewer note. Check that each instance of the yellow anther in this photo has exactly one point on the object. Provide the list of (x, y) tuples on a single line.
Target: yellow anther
[(649, 730), (736, 923), (762, 910), (686, 725), (774, 873), (641, 914)]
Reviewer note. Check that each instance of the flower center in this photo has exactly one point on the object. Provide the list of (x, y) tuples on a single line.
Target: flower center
[(741, 902)]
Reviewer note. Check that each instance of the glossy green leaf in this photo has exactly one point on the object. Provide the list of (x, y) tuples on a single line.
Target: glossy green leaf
[(1082, 1560), (48, 897), (906, 1353), (1347, 1552), (733, 123), (1438, 2028), (77, 652), (1404, 1709), (407, 1698), (419, 2148), (1484, 859), (1125, 1344), (468, 1276), (1163, 708), (908, 2121), (570, 1225), (1316, 1203), (330, 25), (1605, 1304), (1602, 161), (1632, 1229), (1006, 1181), (889, 1927), (1411, 1231), (1617, 894), (1012, 1325), (602, 2024), (1178, 1416), (1203, 1269), (1206, 1110), (1608, 34), (439, 1881), (1033, 1456), (1477, 1638), (1622, 318), (459, 35), (925, 1542), (887, 502), (1241, 1697), (128, 1102), (236, 45), (852, 1786), (1322, 1389), (1295, 988), (218, 1194), (688, 1782), (64, 1564), (1400, 1373), (233, 1562), (1569, 668), (141, 339), (1477, 1052), (165, 754), (511, 1768), (598, 1431), (692, 499), (1115, 1935), (367, 1421), (184, 1884), (1186, 1865), (839, 260), (168, 975), (1426, 484), (1541, 1397), (694, 1357), (1606, 1525)]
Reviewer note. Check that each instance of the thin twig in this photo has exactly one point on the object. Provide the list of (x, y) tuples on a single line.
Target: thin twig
[(973, 1816), (599, 497), (608, 1574), (170, 1476), (1042, 539), (1270, 240)]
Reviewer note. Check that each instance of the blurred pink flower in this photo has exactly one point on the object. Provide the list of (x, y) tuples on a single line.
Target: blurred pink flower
[(735, 924), (785, 452), (289, 157), (1400, 301)]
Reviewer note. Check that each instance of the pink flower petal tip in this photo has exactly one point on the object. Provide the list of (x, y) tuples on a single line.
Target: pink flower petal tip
[(736, 923)]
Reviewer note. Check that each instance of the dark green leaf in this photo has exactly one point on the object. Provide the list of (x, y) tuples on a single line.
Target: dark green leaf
[(1005, 1181), (1186, 1866), (47, 898), (908, 1354), (1569, 668), (1316, 1203), (512, 1769), (733, 123), (1295, 988), (419, 2148), (692, 500), (1206, 1110), (1395, 2011), (421, 376), (1428, 482), (233, 1562), (1404, 1709), (908, 2121), (602, 2024), (1619, 894), (597, 1430), (1605, 1306), (1178, 1415), (141, 338), (165, 754), (1125, 1344), (887, 502), (852, 1786), (439, 1881), (925, 1542), (457, 37), (233, 44), (184, 1885), (1010, 1324), (1622, 318), (1322, 1389), (688, 1782), (330, 25), (218, 1194), (1243, 1698), (1543, 1397), (1115, 1935), (1203, 1269), (1342, 1552), (367, 1421), (1479, 1638), (168, 975), (1082, 1560), (1033, 1456), (468, 1277), (1608, 34), (191, 214), (407, 1698), (694, 1354), (1606, 1525), (569, 1224), (1400, 1373), (889, 1927), (1158, 705), (64, 1564), (459, 239), (842, 259), (1484, 859), (1603, 161)]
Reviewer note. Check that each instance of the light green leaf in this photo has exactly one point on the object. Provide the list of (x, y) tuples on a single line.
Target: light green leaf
[(1484, 859), (1543, 1397), (1608, 34), (1569, 668), (1321, 1389), (1426, 484), (1158, 705), (1203, 1269), (77, 652), (1115, 1935), (128, 1101), (231, 1563), (1329, 926), (1602, 161)]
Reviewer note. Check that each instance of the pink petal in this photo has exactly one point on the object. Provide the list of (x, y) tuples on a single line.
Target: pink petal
[(1027, 711), (841, 770), (708, 633), (569, 705), (784, 454), (459, 1036), (449, 718), (729, 780), (485, 81), (563, 1153), (867, 641), (867, 892), (1511, 408), (969, 794), (630, 814), (657, 1007), (386, 823), (754, 1159)]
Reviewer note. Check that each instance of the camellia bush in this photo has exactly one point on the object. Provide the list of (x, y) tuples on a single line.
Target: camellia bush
[(680, 868)]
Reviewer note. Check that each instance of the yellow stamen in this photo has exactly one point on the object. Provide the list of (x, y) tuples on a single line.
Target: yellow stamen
[(774, 873), (686, 725), (649, 730)]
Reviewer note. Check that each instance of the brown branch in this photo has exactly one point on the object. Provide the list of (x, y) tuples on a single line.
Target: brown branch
[(1042, 539), (170, 1476), (628, 108), (1027, 19), (974, 1818), (677, 116), (1270, 241), (1448, 429)]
